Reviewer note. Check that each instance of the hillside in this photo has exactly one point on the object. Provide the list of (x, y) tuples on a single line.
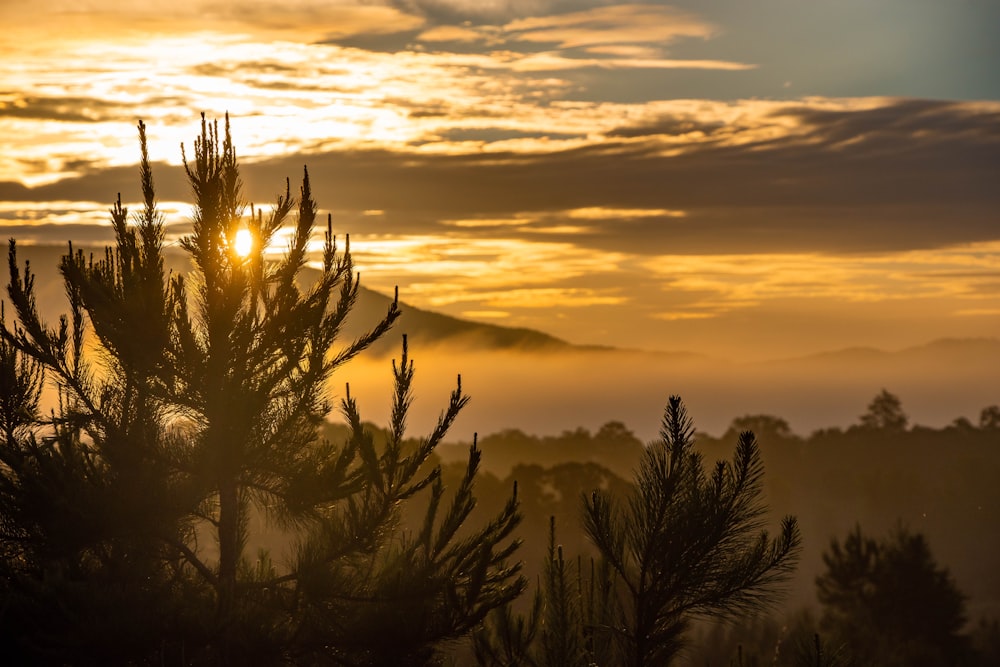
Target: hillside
[(941, 352), (424, 328)]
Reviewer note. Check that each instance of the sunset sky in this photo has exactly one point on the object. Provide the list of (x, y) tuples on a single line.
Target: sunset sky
[(760, 179)]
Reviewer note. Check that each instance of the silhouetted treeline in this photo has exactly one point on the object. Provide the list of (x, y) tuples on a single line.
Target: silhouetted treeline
[(612, 446), (939, 481), (880, 473)]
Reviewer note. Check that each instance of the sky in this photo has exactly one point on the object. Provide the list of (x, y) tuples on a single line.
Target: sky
[(751, 180)]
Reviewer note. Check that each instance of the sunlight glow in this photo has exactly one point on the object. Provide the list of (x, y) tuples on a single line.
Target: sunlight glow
[(243, 243)]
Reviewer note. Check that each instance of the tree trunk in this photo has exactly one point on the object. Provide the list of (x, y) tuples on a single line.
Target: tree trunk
[(229, 556)]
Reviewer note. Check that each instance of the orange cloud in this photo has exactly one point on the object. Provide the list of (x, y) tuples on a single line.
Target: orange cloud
[(297, 20), (603, 213), (613, 24), (452, 33), (553, 61), (631, 35)]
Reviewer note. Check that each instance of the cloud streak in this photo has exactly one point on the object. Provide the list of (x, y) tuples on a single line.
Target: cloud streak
[(612, 24), (610, 36), (306, 20)]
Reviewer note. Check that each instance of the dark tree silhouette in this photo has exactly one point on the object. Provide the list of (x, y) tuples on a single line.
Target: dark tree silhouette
[(684, 544), (817, 653), (890, 602), (989, 418), (885, 412), (189, 407), (562, 623), (763, 426), (687, 543)]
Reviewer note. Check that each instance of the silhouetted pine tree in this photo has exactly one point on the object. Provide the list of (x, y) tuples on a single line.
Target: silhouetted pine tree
[(552, 633), (507, 638), (817, 653), (686, 543), (562, 627), (186, 406)]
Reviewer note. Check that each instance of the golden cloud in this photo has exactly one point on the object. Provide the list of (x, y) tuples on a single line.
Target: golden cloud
[(728, 282), (296, 20), (604, 213), (613, 24), (533, 298), (451, 33), (554, 61), (631, 35)]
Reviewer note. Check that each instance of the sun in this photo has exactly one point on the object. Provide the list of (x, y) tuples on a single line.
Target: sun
[(243, 243)]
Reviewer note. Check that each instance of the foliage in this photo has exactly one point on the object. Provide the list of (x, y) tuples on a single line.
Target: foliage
[(188, 412), (986, 642), (890, 602), (989, 418), (562, 624), (765, 427), (506, 638), (613, 447), (942, 477), (885, 412), (818, 653), (687, 543), (684, 544)]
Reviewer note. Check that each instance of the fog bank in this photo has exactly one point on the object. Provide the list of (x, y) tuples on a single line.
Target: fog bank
[(546, 393)]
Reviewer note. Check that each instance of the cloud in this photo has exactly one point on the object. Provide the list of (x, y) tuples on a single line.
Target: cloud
[(820, 175), (601, 213), (524, 160), (612, 24), (457, 10), (610, 36), (554, 62), (62, 108), (765, 177), (686, 214), (297, 20), (672, 125), (920, 121), (534, 298), (364, 20), (452, 33)]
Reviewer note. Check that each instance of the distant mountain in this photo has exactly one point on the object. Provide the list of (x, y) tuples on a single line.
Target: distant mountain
[(949, 350), (944, 351), (423, 328), (426, 329)]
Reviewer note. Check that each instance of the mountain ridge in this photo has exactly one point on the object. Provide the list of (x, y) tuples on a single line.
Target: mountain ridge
[(422, 327), (429, 329), (938, 350)]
